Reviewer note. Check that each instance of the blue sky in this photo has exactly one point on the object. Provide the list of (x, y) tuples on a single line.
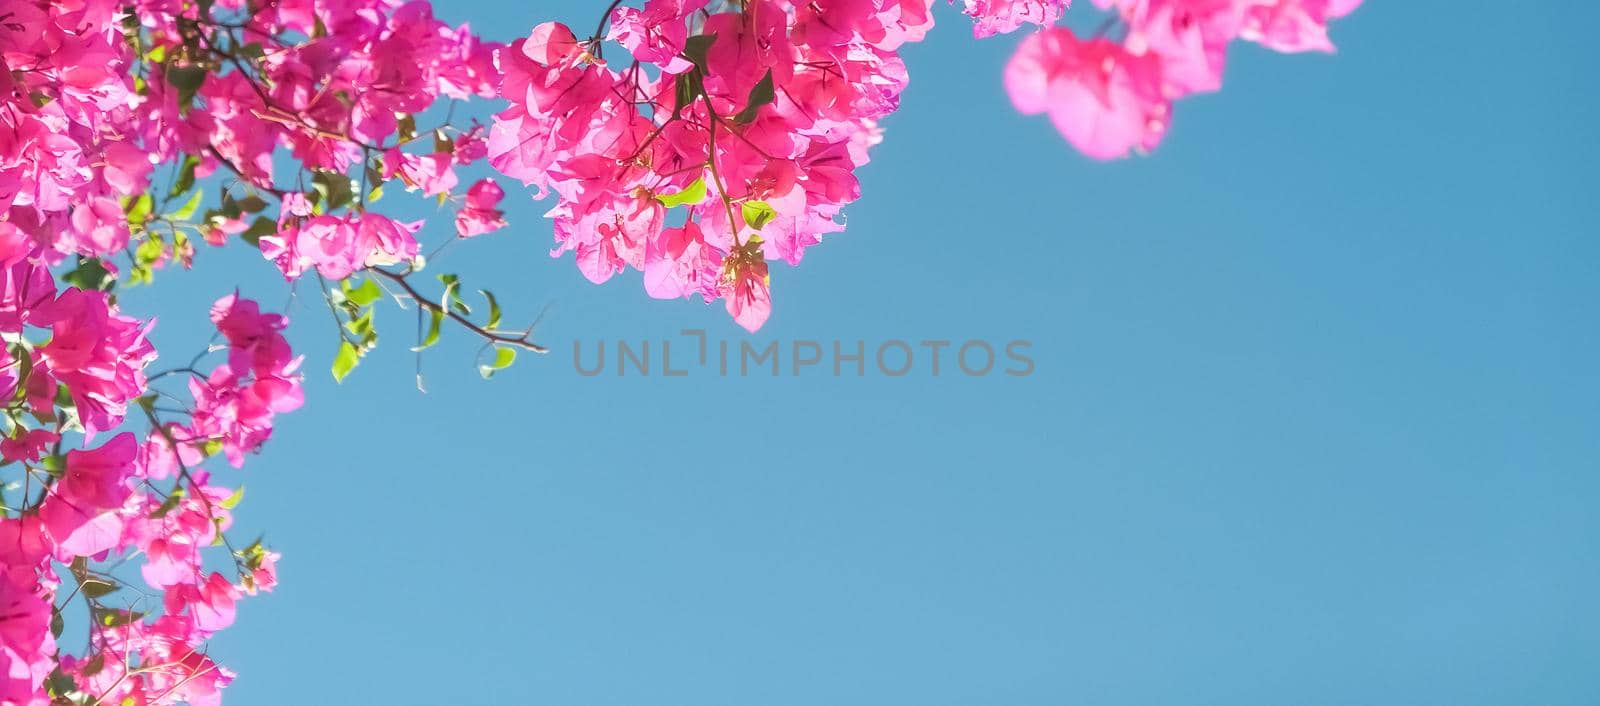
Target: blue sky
[(1313, 420)]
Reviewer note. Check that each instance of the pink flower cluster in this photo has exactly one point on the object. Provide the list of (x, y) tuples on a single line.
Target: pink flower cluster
[(1111, 97), (80, 508), (93, 99), (87, 119), (342, 99), (70, 146), (730, 139)]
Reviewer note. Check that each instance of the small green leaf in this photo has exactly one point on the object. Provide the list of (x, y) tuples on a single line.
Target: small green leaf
[(149, 251), (96, 588), (688, 87), (503, 358), (452, 294), (168, 505), (185, 180), (117, 618), (210, 448), (361, 326), (345, 361), (251, 204), (757, 213), (760, 95), (186, 212), (365, 294), (406, 129), (435, 320), (692, 194), (90, 275), (335, 189), (695, 49), (95, 664), (494, 310), (138, 209), (262, 226), (24, 370), (232, 501), (187, 79), (59, 683)]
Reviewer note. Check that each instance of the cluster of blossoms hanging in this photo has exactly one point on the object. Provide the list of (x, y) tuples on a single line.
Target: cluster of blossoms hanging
[(132, 132), (1111, 97), (731, 136), (751, 117)]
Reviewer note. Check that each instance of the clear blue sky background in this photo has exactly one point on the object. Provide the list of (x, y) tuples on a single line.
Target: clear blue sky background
[(1316, 420)]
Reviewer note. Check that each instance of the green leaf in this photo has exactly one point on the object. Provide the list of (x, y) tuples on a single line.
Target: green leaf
[(116, 618), (760, 95), (692, 194), (686, 89), (335, 189), (406, 129), (168, 505), (210, 448), (185, 180), (503, 358), (90, 275), (435, 320), (59, 683), (95, 664), (138, 209), (149, 251), (262, 226), (251, 204), (187, 79), (452, 294), (24, 369), (695, 49), (494, 310), (228, 208), (96, 588), (361, 326), (757, 213), (232, 501), (345, 361), (365, 294), (186, 212)]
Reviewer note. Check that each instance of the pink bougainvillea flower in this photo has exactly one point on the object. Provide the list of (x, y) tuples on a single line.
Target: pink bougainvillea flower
[(81, 512), (1294, 25), (98, 353), (434, 174), (1104, 100), (480, 214), (208, 604)]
